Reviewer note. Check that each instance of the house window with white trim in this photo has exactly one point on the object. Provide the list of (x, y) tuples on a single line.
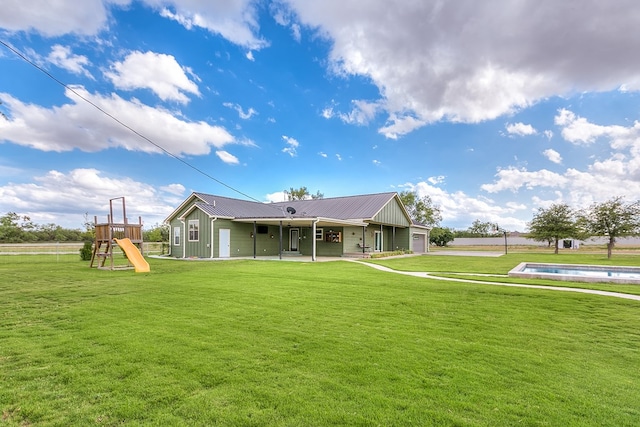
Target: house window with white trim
[(319, 234), (194, 227), (176, 236)]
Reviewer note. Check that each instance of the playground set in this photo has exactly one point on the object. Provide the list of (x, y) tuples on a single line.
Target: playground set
[(127, 237)]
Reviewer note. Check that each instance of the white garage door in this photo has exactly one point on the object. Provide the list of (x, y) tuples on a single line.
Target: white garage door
[(419, 243)]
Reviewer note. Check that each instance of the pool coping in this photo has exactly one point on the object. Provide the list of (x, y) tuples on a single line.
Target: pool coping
[(517, 272)]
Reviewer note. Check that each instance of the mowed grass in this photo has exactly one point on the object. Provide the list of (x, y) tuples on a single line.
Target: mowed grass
[(266, 343), (473, 267)]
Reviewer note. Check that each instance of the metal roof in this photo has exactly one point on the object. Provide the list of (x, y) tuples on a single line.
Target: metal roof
[(349, 208)]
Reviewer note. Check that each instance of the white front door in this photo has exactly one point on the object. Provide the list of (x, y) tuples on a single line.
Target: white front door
[(377, 240), (294, 235), (224, 242)]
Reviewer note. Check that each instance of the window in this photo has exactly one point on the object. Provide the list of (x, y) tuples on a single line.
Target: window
[(333, 237), (194, 226), (319, 234), (176, 236)]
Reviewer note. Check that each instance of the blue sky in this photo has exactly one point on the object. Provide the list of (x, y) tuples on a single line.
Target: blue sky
[(492, 115)]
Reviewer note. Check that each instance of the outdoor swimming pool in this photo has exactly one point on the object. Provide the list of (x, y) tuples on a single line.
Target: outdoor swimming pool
[(577, 273)]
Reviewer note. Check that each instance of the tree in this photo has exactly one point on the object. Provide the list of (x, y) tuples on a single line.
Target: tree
[(613, 218), (421, 209), (89, 227), (553, 224), (157, 233), (302, 194), (481, 228), (440, 236)]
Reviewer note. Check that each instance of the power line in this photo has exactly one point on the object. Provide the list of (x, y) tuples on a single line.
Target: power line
[(121, 123)]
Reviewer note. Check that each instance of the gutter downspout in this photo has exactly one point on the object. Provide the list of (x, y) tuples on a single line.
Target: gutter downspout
[(170, 241), (313, 234), (183, 240), (212, 234)]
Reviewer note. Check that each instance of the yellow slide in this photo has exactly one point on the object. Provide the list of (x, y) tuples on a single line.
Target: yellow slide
[(133, 255)]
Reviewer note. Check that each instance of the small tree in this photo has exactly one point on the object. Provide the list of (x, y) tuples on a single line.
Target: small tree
[(553, 224), (302, 193), (481, 228), (613, 218), (441, 236), (86, 251), (157, 233), (421, 209)]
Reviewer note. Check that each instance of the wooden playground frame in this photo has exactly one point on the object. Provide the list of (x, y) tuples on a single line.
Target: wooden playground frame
[(106, 233)]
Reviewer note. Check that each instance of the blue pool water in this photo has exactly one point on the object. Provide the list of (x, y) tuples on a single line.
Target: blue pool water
[(570, 271)]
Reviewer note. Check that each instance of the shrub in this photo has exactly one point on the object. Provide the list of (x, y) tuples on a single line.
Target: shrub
[(86, 251)]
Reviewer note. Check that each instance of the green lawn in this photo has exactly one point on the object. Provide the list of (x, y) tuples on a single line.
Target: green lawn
[(269, 343), (457, 266)]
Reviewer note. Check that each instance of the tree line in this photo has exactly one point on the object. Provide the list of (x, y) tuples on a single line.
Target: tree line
[(16, 228), (613, 219)]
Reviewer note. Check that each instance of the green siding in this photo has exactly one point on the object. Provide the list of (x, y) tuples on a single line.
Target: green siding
[(392, 214), (242, 241), (403, 239), (352, 236), (199, 248)]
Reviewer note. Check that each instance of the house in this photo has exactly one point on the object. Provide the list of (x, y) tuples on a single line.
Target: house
[(209, 226)]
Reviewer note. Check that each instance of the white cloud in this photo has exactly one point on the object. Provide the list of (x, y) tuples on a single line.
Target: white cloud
[(377, 162), (241, 113), (55, 18), (552, 155), (361, 114), (460, 210), (235, 20), (296, 32), (548, 134), (79, 125), (177, 189), (64, 198), (436, 179), (520, 129), (327, 113), (155, 71), (579, 130), (321, 154), (443, 64), (616, 175), (249, 56), (227, 157), (513, 179), (339, 157), (62, 57), (400, 126), (278, 196), (292, 146)]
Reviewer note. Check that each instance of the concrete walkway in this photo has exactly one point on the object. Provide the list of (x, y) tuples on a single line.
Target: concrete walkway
[(512, 285)]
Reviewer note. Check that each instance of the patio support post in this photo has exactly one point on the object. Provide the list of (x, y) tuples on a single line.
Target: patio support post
[(364, 237), (393, 239), (280, 250), (254, 239), (313, 239)]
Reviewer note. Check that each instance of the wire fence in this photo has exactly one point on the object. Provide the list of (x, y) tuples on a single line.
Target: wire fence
[(31, 253)]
